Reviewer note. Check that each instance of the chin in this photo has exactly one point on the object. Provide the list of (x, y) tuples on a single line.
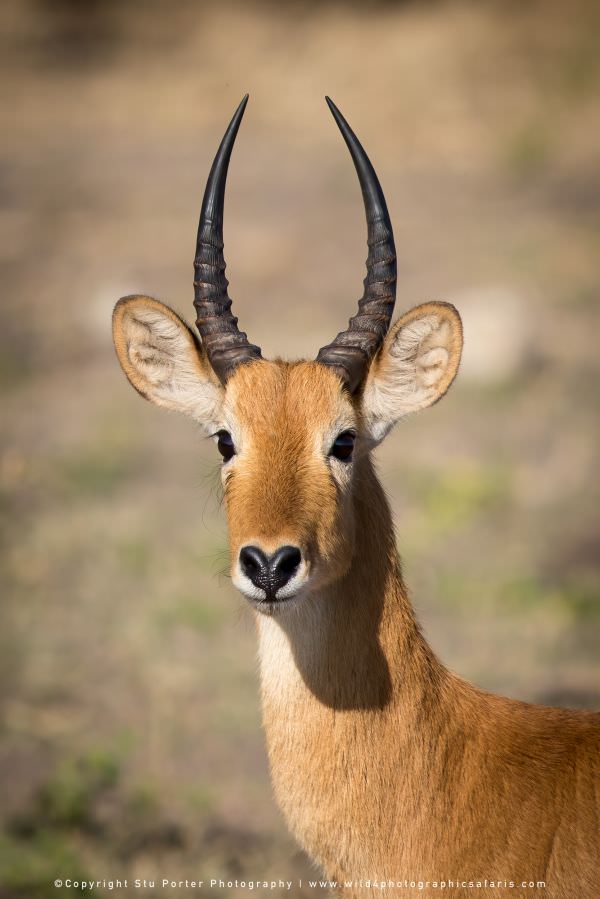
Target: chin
[(278, 607)]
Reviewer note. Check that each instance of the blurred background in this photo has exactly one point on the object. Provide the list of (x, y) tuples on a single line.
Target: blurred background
[(130, 740)]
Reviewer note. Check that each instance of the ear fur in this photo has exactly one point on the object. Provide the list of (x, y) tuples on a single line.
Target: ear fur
[(417, 363), (163, 359)]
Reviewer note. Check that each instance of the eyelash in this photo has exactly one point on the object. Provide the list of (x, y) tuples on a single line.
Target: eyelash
[(342, 448), (225, 445)]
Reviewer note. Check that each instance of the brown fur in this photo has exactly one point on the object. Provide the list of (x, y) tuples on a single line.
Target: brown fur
[(386, 765)]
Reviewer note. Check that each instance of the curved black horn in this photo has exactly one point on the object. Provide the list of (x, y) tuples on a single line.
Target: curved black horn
[(352, 350), (226, 346)]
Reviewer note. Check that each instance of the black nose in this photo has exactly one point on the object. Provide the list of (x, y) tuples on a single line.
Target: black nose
[(270, 573)]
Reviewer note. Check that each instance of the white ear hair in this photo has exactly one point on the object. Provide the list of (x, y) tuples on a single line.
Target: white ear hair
[(163, 360), (415, 366)]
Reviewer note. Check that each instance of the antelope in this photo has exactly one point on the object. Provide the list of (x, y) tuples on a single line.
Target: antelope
[(389, 769)]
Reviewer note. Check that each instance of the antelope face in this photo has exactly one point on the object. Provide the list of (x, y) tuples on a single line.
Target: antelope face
[(291, 435), (288, 461)]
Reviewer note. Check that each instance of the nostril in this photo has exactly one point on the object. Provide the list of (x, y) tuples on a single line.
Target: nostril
[(284, 564), (253, 562)]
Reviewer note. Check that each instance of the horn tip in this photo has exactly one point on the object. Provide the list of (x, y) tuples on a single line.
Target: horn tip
[(339, 118)]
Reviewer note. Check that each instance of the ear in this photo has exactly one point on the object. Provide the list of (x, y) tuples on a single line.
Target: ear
[(415, 366), (163, 359)]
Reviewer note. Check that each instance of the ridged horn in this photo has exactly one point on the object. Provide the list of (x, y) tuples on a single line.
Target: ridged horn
[(226, 346), (352, 350)]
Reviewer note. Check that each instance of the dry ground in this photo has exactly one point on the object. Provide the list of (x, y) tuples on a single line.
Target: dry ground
[(130, 740)]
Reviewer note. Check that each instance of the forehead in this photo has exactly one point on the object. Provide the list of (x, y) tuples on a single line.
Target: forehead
[(265, 394)]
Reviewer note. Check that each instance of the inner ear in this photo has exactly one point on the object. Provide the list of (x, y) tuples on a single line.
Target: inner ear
[(417, 363), (163, 360)]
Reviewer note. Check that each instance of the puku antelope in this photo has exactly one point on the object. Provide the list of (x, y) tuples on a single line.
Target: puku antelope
[(386, 765)]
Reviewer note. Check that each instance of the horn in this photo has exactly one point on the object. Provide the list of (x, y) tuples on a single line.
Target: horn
[(352, 350), (226, 346)]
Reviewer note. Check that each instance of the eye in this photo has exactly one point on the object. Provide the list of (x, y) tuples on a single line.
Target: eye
[(225, 445), (343, 446)]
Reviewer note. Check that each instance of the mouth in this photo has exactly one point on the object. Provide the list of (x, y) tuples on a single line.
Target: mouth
[(268, 599)]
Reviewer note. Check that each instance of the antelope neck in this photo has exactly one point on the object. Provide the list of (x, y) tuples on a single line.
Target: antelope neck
[(351, 693), (355, 645)]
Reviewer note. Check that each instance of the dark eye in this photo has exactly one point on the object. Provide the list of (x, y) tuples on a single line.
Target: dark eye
[(225, 445), (343, 446)]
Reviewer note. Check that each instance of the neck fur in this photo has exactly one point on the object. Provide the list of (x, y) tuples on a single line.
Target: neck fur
[(352, 698)]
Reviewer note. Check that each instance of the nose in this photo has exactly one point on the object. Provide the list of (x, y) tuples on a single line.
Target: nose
[(270, 573)]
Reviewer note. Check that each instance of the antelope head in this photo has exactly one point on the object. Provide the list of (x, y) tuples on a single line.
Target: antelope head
[(294, 437)]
